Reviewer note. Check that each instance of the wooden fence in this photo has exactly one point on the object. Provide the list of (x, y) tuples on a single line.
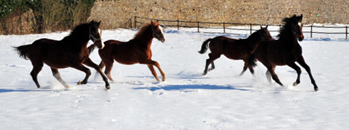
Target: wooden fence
[(225, 26)]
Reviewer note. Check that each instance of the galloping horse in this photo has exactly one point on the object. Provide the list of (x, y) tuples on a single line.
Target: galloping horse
[(71, 51), (137, 50), (235, 49), (284, 51)]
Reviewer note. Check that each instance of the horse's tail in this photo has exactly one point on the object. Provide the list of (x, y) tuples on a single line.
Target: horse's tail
[(23, 51), (204, 46), (252, 60), (91, 48)]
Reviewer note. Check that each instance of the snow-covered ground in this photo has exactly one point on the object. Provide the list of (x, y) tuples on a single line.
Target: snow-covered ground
[(187, 100)]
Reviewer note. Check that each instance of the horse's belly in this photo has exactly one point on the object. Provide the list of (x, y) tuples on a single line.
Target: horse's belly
[(126, 61), (57, 66)]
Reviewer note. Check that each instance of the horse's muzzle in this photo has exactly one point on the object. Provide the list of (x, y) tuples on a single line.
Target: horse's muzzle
[(100, 44), (301, 38)]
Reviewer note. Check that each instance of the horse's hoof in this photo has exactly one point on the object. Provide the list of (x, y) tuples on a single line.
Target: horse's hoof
[(107, 87), (316, 89), (79, 83), (295, 84), (67, 86)]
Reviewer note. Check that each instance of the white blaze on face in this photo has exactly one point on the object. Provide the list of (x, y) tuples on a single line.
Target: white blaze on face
[(100, 36), (162, 33), (299, 24)]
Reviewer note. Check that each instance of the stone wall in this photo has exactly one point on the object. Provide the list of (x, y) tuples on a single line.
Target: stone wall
[(120, 13)]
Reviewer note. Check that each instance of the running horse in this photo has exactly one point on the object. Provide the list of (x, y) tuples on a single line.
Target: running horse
[(136, 50), (284, 51), (71, 51), (236, 49)]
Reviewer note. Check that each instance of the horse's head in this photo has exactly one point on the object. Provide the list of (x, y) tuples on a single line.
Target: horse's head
[(157, 31), (264, 33), (297, 27), (95, 34)]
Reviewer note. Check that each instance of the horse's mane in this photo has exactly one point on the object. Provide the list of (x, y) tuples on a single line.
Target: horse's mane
[(287, 24), (254, 34), (77, 32), (286, 27), (143, 28)]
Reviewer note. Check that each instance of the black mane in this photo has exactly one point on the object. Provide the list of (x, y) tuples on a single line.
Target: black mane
[(286, 28), (79, 32)]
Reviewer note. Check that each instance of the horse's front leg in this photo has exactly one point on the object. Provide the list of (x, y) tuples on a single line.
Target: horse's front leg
[(152, 70), (150, 64), (84, 69), (298, 70), (89, 62), (307, 68)]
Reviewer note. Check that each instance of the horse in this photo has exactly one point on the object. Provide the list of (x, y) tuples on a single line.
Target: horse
[(71, 51), (284, 51), (136, 50), (236, 49)]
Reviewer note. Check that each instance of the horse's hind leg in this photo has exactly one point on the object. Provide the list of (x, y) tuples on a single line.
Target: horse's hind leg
[(58, 77), (243, 69), (307, 68), (84, 69), (271, 69), (212, 64), (89, 62), (210, 61), (298, 70), (34, 73)]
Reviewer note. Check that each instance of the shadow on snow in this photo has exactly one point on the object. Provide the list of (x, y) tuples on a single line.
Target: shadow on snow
[(183, 87)]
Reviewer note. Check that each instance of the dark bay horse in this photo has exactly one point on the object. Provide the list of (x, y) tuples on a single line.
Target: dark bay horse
[(284, 51), (136, 50), (71, 51), (236, 49)]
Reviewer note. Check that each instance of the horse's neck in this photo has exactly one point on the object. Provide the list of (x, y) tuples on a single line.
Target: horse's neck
[(145, 39), (253, 41), (289, 41), (78, 42)]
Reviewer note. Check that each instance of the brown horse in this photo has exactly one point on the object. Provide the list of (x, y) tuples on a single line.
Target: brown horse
[(235, 49), (137, 50), (284, 51), (71, 51)]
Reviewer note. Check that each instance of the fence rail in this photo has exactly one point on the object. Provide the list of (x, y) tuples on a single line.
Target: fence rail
[(225, 26)]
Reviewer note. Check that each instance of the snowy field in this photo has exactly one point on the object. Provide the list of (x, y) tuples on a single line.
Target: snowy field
[(187, 100)]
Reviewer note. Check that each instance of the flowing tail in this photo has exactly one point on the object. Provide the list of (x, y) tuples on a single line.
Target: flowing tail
[(252, 60), (204, 46), (91, 48), (23, 51)]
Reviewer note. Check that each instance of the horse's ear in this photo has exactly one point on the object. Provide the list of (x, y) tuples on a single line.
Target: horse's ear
[(261, 26), (99, 23), (300, 18), (266, 27)]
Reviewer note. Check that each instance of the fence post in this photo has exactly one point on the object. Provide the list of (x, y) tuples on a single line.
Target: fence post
[(346, 32), (198, 26), (311, 31), (250, 28), (223, 27), (177, 24), (135, 21)]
